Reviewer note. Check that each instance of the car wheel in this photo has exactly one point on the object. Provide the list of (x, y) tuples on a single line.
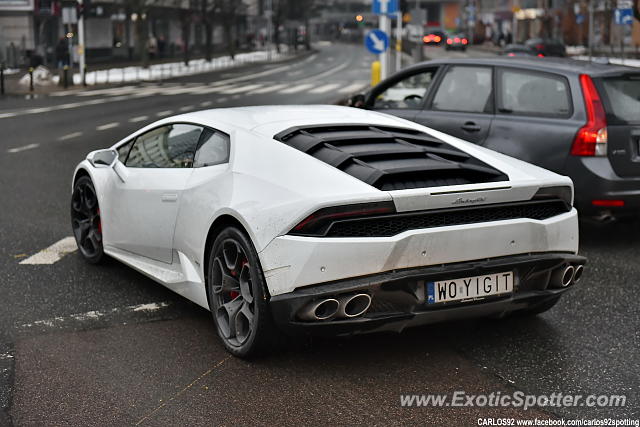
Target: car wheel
[(237, 296), (85, 220)]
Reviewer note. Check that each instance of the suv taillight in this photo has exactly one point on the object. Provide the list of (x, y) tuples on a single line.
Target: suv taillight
[(591, 139)]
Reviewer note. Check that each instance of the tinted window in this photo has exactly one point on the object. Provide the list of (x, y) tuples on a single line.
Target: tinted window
[(536, 94), (407, 93), (623, 94), (171, 146), (213, 149), (466, 89)]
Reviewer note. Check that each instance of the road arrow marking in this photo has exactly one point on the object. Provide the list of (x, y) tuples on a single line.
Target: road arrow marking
[(53, 253)]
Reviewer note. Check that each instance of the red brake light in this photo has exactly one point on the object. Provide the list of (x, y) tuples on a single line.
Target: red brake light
[(457, 40), (540, 55), (465, 41), (608, 203), (449, 41), (426, 39), (511, 54), (319, 222), (437, 39), (591, 139)]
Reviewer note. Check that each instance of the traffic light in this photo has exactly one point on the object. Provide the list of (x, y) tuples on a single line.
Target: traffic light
[(360, 20)]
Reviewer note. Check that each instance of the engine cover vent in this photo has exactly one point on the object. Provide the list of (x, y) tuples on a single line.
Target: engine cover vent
[(390, 158)]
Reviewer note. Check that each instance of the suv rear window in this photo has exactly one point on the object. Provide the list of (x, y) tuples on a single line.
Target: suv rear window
[(623, 94)]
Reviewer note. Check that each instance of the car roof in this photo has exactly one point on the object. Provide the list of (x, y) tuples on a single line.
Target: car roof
[(551, 64), (275, 118)]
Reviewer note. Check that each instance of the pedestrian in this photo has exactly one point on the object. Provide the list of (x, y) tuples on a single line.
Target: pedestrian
[(62, 52)]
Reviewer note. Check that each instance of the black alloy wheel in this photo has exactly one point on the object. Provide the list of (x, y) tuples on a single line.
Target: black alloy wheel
[(237, 295), (85, 220)]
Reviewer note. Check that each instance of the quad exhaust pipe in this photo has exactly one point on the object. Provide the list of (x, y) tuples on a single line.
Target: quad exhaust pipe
[(320, 310), (566, 275), (353, 305), (342, 307)]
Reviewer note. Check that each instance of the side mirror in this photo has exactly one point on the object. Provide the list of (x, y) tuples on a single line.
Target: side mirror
[(103, 158), (357, 101)]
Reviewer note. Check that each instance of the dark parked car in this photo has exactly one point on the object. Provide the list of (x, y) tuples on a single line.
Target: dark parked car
[(434, 38), (456, 41), (572, 117), (519, 50), (547, 47)]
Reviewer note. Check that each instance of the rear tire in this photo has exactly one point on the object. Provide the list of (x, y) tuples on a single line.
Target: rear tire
[(238, 296), (85, 220)]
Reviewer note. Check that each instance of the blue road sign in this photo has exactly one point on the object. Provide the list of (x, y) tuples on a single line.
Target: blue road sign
[(385, 7), (624, 16), (376, 41), (580, 18)]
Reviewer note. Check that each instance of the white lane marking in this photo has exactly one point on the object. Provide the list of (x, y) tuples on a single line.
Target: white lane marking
[(206, 103), (164, 113), (23, 148), (296, 89), (295, 73), (269, 89), (53, 253), (353, 87), (325, 88), (187, 108), (70, 136), (40, 110), (108, 126), (326, 73), (94, 315), (138, 119), (223, 99), (240, 89), (4, 115)]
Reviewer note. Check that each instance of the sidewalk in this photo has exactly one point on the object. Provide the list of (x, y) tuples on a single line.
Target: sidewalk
[(137, 73)]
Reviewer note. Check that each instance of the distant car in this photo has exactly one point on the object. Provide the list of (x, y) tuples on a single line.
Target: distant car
[(547, 47), (572, 117), (434, 38), (456, 42), (326, 219), (519, 50)]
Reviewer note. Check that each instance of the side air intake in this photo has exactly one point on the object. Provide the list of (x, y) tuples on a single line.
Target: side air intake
[(390, 158)]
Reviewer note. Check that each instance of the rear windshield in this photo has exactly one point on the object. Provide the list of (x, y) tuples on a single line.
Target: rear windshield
[(623, 94)]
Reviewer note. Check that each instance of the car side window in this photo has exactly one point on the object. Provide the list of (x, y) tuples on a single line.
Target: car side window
[(213, 149), (408, 93), (537, 94), (466, 89), (123, 151), (170, 146)]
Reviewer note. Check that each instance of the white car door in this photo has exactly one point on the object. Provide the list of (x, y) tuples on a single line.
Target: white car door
[(144, 200)]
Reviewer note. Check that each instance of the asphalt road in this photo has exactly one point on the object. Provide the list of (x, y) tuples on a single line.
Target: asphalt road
[(85, 345)]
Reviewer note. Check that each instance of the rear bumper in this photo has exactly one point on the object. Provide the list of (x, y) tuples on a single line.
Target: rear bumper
[(399, 297), (293, 262), (595, 179)]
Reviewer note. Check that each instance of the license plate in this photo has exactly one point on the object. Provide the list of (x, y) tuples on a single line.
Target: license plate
[(469, 288)]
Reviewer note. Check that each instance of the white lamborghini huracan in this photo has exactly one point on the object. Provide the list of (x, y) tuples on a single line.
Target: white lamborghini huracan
[(326, 219)]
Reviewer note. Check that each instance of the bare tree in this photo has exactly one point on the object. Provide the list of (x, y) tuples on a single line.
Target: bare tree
[(208, 10), (229, 14)]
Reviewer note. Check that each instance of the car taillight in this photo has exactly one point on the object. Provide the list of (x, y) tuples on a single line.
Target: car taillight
[(426, 39), (457, 40), (540, 55), (608, 203), (465, 41), (449, 41), (511, 54), (437, 39), (591, 139), (319, 222)]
